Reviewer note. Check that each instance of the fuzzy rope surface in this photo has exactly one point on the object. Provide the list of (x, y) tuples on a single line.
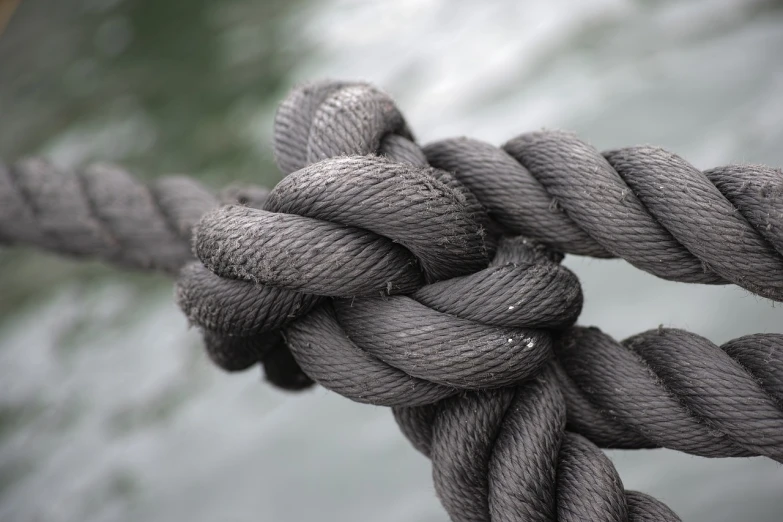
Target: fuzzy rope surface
[(387, 273), (104, 212)]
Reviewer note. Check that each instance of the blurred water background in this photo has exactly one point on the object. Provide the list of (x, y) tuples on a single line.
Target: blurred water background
[(109, 411)]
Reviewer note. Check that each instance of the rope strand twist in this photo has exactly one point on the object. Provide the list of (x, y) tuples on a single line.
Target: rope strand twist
[(429, 280)]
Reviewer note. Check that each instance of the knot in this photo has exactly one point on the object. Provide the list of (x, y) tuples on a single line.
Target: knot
[(344, 227), (424, 313), (483, 330), (329, 119)]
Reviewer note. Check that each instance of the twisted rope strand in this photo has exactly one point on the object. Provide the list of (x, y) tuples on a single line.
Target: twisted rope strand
[(101, 212), (643, 204), (104, 212), (398, 349), (675, 389), (505, 455), (367, 270)]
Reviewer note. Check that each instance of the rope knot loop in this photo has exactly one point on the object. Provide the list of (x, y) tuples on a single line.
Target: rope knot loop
[(329, 119), (348, 226), (488, 329), (401, 246)]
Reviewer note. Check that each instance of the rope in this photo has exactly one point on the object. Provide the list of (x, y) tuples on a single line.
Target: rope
[(643, 204), (504, 455), (103, 212), (461, 328), (387, 273)]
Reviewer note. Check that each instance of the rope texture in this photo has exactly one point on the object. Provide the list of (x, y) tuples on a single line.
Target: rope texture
[(429, 353), (643, 204), (429, 280), (105, 213)]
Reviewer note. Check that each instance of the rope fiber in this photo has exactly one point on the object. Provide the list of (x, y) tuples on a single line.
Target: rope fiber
[(429, 280)]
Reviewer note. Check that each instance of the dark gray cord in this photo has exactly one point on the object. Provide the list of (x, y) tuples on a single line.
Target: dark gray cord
[(461, 347), (643, 204), (104, 212), (101, 212), (505, 455), (675, 389)]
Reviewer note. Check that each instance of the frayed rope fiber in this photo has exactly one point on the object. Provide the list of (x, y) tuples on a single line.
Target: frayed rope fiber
[(429, 280)]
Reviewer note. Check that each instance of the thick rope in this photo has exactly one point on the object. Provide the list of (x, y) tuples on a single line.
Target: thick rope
[(101, 212), (362, 347), (643, 204), (104, 212), (421, 320), (675, 389), (504, 455)]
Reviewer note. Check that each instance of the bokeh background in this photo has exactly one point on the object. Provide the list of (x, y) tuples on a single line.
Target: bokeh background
[(109, 410)]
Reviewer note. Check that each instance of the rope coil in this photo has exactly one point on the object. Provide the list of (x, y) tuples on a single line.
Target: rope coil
[(429, 280)]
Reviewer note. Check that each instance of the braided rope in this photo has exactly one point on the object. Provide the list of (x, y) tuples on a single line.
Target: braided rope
[(643, 204), (435, 311), (100, 212), (505, 455), (104, 212)]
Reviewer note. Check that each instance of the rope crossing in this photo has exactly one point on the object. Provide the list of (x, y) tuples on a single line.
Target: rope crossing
[(429, 280)]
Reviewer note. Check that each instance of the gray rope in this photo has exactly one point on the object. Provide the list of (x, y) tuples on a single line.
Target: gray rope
[(466, 333), (504, 455), (368, 271), (643, 204), (675, 389), (104, 212), (101, 212)]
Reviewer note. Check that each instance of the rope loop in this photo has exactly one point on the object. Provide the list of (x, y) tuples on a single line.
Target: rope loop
[(418, 349)]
